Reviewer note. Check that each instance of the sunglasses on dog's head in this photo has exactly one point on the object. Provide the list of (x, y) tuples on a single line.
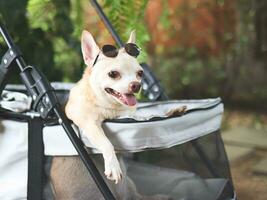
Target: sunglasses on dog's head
[(111, 51)]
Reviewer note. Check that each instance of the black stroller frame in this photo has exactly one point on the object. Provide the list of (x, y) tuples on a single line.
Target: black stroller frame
[(46, 104)]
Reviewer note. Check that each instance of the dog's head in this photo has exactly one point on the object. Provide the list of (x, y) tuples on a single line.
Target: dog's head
[(114, 80)]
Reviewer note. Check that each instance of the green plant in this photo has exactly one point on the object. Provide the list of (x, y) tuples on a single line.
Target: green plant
[(58, 27), (48, 31), (128, 15)]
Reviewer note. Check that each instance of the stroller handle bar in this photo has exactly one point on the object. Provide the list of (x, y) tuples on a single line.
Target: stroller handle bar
[(107, 23)]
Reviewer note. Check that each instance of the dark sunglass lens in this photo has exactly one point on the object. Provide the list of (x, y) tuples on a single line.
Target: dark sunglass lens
[(132, 49), (109, 50)]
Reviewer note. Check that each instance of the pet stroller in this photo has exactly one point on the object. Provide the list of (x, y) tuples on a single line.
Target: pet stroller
[(180, 156)]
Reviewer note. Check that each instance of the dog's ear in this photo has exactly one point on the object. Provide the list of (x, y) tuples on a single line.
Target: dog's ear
[(89, 48), (132, 37)]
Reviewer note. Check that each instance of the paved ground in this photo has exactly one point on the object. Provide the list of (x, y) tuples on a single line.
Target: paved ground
[(246, 137), (248, 184), (246, 146)]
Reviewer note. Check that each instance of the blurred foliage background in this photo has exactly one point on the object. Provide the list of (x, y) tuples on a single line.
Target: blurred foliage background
[(198, 48)]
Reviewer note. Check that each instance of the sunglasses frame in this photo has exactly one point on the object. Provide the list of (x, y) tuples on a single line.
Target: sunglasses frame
[(112, 51)]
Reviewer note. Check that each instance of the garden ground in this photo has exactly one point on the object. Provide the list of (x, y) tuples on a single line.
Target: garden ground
[(245, 137)]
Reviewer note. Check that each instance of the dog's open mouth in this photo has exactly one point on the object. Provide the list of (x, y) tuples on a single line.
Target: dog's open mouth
[(127, 99)]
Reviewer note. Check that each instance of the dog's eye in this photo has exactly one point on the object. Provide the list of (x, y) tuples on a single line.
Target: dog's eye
[(140, 73), (114, 74)]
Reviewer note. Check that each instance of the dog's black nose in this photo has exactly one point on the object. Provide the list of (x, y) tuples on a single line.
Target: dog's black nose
[(134, 87)]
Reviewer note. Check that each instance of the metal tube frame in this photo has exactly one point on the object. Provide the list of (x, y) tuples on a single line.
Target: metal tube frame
[(107, 23)]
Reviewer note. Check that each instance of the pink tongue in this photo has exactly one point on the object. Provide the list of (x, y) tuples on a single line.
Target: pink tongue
[(129, 99)]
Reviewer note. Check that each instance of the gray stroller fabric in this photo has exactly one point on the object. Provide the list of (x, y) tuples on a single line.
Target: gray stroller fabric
[(15, 101), (178, 184), (149, 128)]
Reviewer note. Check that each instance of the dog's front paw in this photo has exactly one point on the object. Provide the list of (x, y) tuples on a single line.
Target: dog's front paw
[(113, 169), (177, 111)]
